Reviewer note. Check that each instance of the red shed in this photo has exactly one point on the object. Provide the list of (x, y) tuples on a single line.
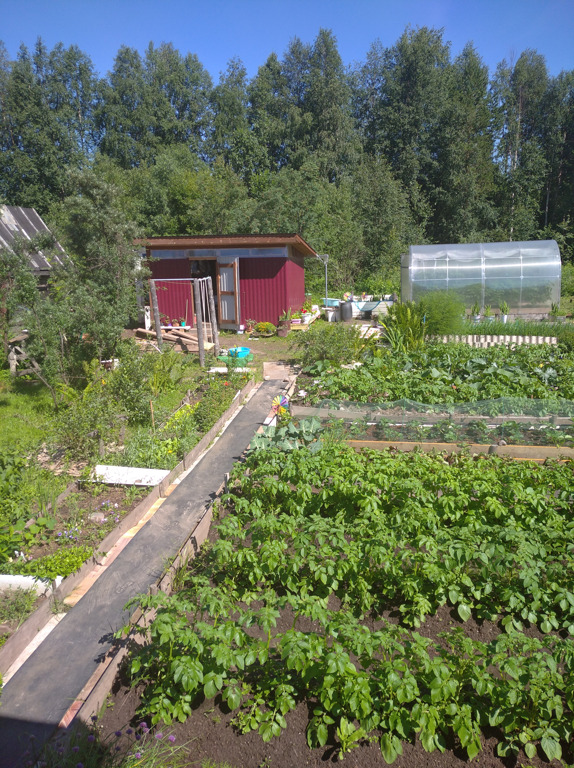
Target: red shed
[(254, 277)]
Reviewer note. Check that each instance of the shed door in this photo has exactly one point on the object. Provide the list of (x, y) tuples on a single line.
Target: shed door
[(228, 291)]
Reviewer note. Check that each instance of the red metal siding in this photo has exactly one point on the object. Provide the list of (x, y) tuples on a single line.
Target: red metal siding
[(174, 299), (295, 283), (268, 287), (262, 289)]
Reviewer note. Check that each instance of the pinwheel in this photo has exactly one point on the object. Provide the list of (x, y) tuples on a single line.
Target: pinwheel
[(280, 404)]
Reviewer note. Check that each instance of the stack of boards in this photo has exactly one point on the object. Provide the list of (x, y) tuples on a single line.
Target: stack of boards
[(178, 338)]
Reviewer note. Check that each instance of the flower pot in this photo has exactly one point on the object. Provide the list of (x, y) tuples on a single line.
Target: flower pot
[(283, 328), (504, 318), (476, 318)]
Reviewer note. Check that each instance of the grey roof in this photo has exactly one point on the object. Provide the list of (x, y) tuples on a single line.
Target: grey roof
[(25, 223)]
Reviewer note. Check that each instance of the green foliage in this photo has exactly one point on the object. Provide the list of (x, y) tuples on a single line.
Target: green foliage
[(490, 537), (265, 329), (443, 313), (61, 563), (449, 373), (130, 384), (35, 531), (166, 446), (333, 342), (404, 326), (17, 289), (16, 604), (289, 436), (24, 488), (112, 396), (167, 372)]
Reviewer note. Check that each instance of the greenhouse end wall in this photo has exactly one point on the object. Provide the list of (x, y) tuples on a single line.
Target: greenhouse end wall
[(525, 275)]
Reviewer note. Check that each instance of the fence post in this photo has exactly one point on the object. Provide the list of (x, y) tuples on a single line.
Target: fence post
[(199, 316), (155, 307)]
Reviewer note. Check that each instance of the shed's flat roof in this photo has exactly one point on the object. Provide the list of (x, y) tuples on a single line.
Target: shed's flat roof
[(228, 241)]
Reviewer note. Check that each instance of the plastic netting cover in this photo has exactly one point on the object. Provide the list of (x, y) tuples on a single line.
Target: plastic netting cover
[(515, 420)]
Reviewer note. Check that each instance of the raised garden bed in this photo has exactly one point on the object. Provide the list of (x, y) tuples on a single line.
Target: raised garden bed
[(88, 516), (372, 604)]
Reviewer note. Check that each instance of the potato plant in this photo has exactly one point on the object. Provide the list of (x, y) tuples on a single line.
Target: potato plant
[(449, 373), (344, 540)]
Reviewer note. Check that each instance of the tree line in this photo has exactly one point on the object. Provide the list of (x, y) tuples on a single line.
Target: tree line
[(412, 145)]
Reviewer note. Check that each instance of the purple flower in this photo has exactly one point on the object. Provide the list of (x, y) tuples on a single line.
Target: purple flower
[(94, 718), (80, 765), (138, 755), (129, 731), (75, 748), (118, 733), (91, 737), (171, 737), (159, 735), (138, 736), (143, 725)]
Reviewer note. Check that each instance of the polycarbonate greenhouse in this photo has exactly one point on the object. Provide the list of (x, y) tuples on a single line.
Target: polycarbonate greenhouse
[(525, 275)]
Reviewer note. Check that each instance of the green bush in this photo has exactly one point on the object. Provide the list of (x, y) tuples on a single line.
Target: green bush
[(334, 342), (404, 328), (443, 313), (129, 384), (265, 329)]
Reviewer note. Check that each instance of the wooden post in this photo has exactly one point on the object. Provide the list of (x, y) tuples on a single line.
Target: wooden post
[(199, 316), (213, 318), (155, 307)]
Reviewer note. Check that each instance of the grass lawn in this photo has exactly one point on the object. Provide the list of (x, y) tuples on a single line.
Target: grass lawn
[(27, 414)]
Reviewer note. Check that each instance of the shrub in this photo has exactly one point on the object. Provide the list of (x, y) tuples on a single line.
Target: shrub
[(265, 329), (129, 383), (404, 328), (334, 342), (443, 313)]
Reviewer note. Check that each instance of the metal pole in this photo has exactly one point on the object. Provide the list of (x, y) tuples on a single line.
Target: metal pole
[(213, 317), (155, 307), (324, 257), (199, 317)]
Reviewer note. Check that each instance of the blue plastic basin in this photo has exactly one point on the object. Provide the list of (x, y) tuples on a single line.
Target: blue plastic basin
[(239, 351)]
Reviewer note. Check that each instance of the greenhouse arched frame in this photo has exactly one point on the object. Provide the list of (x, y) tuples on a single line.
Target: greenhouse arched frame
[(526, 275)]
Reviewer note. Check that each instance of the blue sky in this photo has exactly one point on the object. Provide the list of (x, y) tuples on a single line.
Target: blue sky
[(217, 30)]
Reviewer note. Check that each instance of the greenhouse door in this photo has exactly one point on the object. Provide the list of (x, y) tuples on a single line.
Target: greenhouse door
[(228, 291)]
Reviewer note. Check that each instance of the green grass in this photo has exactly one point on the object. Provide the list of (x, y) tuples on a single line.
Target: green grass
[(26, 413), (16, 604)]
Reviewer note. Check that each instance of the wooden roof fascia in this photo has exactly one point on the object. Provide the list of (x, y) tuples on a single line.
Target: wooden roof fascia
[(227, 241)]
